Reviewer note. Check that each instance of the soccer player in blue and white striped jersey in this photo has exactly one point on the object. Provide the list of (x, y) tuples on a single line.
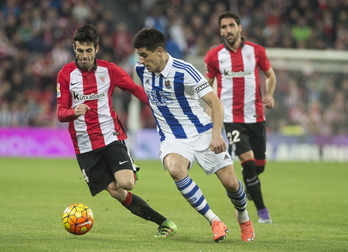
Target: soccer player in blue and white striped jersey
[(174, 89)]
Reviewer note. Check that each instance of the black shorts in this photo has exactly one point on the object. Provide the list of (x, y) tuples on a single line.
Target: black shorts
[(98, 166), (243, 137)]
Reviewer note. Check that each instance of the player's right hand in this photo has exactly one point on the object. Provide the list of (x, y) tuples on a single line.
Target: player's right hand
[(217, 144), (81, 109)]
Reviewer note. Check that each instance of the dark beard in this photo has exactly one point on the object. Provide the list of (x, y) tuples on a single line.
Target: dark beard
[(82, 66), (231, 44)]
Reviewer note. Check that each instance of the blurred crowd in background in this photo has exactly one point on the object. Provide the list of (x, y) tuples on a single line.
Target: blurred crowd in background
[(36, 41)]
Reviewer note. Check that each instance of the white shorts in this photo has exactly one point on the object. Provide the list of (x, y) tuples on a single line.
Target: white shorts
[(196, 148)]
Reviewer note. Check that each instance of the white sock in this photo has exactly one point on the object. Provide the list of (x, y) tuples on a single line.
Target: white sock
[(243, 216), (211, 216)]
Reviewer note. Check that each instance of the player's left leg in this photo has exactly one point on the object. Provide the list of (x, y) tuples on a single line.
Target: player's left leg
[(235, 193), (251, 179), (194, 196), (139, 207), (262, 210), (123, 167), (258, 145), (177, 166)]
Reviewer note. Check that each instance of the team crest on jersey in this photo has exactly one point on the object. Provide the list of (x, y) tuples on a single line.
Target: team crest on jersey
[(58, 90), (102, 78), (248, 57), (167, 83)]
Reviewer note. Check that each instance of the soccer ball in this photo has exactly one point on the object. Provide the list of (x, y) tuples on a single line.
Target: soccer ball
[(78, 219)]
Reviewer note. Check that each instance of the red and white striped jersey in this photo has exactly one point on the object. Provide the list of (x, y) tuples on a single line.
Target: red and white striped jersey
[(238, 84), (100, 125)]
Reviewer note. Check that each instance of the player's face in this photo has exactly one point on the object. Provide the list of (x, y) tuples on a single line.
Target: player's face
[(85, 54), (230, 31), (151, 60)]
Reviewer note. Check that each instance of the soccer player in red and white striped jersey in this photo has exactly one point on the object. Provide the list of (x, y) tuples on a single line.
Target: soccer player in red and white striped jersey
[(235, 65), (84, 99)]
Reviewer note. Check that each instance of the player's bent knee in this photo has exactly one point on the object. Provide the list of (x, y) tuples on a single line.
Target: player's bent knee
[(232, 185), (125, 179), (249, 169), (117, 192), (177, 175), (127, 185), (229, 181)]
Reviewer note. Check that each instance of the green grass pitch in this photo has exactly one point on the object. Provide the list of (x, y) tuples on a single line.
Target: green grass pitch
[(308, 204)]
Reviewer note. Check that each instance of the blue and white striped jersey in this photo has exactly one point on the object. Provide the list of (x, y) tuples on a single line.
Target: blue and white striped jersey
[(174, 99)]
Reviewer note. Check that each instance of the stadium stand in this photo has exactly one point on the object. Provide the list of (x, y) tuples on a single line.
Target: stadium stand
[(35, 41)]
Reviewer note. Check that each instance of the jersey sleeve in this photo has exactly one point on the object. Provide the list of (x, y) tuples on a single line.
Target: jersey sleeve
[(197, 81), (121, 79), (264, 63), (210, 64), (64, 111), (203, 89)]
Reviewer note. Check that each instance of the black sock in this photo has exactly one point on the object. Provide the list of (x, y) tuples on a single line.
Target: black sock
[(139, 207), (252, 183)]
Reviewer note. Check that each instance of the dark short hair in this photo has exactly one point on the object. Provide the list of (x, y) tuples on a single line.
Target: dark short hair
[(150, 38), (87, 33), (229, 14)]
